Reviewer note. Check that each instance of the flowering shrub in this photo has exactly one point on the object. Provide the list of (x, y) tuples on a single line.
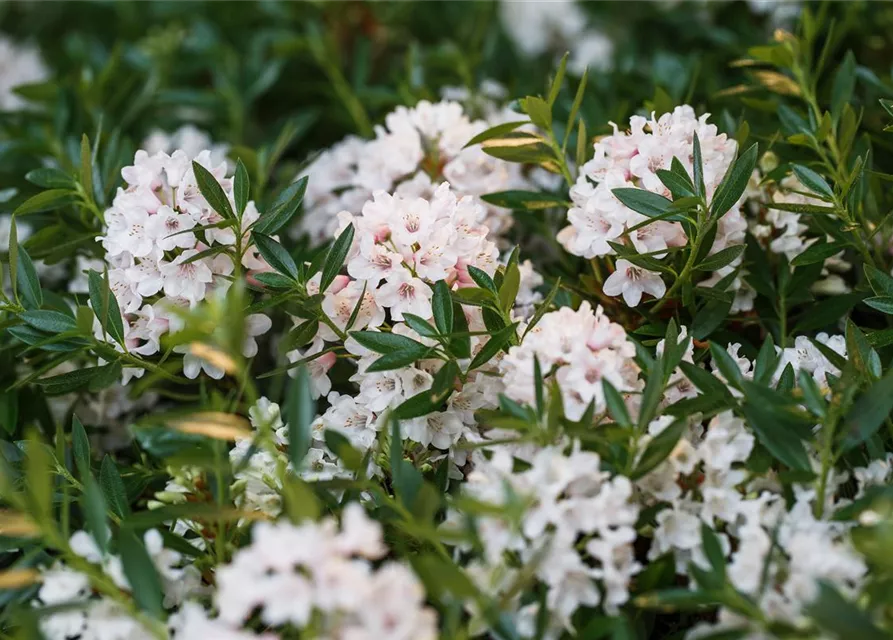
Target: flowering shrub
[(458, 336)]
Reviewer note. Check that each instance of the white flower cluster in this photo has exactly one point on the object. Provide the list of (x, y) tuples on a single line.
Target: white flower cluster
[(540, 26), (104, 617), (411, 154), (702, 482), (632, 159), (19, 65), (575, 532), (583, 348), (314, 573), (156, 227), (402, 245)]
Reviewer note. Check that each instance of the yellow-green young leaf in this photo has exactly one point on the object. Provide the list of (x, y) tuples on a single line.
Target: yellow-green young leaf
[(300, 501), (558, 80), (539, 111), (495, 132), (511, 282), (86, 167), (39, 476)]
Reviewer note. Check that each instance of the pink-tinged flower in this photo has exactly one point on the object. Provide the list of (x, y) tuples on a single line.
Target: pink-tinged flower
[(632, 281), (405, 294)]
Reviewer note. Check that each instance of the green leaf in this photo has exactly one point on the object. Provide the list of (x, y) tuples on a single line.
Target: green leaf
[(141, 573), (869, 412), (721, 258), (529, 200), (773, 429), (615, 404), (70, 381), (881, 283), (539, 110), (816, 252), (27, 282), (105, 306), (405, 478), (301, 409), (397, 360), (335, 257), (679, 186), (80, 448), (841, 618), (698, 168), (86, 167), (508, 290), (9, 410), (496, 342), (442, 307), (420, 325), (726, 365), (43, 201), (212, 191), (49, 321), (660, 448), (496, 132), (806, 209), (734, 183), (341, 447), (713, 551), (113, 487), (94, 507), (884, 304), (385, 342), (482, 279), (844, 84), (474, 296), (275, 255), (557, 81), (241, 187), (644, 202), (50, 178), (813, 181), (283, 208), (524, 147)]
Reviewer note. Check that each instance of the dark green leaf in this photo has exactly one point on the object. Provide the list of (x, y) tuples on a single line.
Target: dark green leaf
[(442, 307), (141, 573), (734, 183), (283, 208), (335, 257), (241, 187), (212, 191), (813, 181), (276, 255), (301, 409), (113, 487)]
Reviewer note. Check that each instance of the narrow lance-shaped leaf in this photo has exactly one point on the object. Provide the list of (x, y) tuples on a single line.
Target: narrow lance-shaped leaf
[(335, 257), (301, 411), (212, 191), (734, 183)]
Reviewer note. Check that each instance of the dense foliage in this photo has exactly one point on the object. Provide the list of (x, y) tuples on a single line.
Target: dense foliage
[(446, 320)]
